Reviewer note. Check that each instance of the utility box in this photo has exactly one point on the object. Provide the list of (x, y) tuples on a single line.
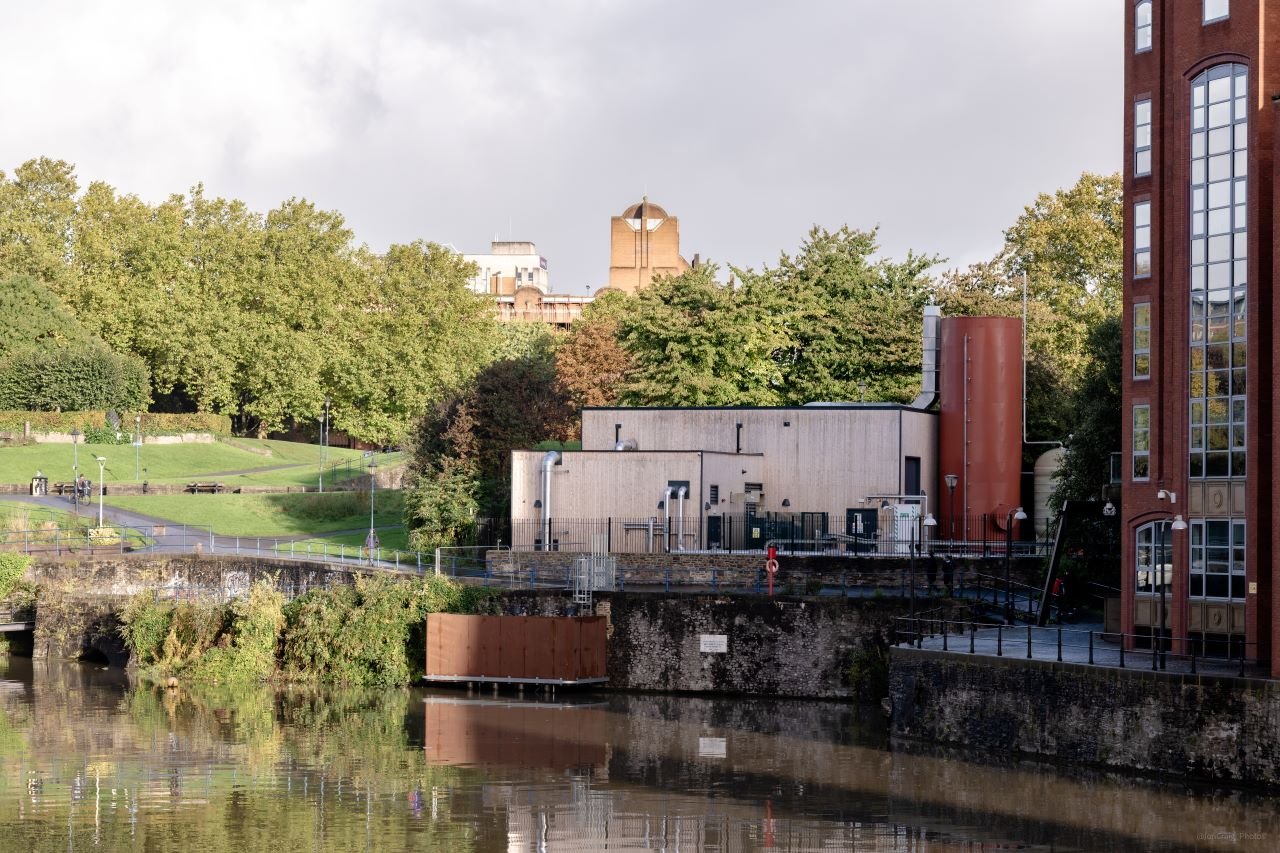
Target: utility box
[(39, 484)]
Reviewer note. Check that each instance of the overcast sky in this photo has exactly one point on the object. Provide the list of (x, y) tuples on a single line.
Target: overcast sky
[(458, 122)]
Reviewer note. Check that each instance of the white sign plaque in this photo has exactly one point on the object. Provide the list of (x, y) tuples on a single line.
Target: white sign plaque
[(713, 644), (711, 747)]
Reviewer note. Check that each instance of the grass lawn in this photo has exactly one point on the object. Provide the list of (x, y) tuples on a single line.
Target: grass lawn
[(392, 539), (33, 525), (271, 515), (295, 464)]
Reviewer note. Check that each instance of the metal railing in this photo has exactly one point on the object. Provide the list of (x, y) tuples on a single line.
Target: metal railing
[(723, 533), (937, 632)]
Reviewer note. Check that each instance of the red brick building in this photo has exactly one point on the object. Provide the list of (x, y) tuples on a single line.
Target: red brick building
[(1199, 526)]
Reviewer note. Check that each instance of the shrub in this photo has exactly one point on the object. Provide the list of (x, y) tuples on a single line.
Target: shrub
[(86, 375), (13, 567)]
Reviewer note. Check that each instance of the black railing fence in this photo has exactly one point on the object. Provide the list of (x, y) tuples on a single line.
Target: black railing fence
[(853, 533)]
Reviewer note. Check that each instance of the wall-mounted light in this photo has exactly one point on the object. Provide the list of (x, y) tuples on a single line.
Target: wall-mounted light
[(662, 504), (707, 505), (537, 504), (786, 501)]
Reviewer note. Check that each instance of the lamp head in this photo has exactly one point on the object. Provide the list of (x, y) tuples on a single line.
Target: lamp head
[(952, 480), (1020, 515), (929, 520), (1178, 523)]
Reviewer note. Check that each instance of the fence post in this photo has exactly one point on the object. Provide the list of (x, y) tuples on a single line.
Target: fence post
[(1122, 636), (999, 641), (1090, 648), (945, 631), (1028, 642), (1059, 644), (973, 636)]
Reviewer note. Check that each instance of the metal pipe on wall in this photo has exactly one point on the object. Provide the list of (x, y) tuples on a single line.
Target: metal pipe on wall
[(680, 522), (551, 459)]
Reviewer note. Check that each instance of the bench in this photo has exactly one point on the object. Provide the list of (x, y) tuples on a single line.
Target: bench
[(63, 488), (209, 488)]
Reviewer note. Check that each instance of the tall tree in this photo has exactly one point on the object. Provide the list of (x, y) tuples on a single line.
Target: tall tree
[(847, 324), (696, 342)]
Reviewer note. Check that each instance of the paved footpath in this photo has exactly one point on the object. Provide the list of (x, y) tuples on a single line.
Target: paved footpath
[(1080, 644)]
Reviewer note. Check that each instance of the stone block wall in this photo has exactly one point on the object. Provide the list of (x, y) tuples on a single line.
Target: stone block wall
[(1172, 725), (796, 574), (779, 646)]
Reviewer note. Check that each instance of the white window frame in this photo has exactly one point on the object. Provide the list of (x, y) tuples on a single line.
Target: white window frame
[(1211, 11), (1141, 340), (1142, 239), (1138, 149), (1142, 32), (1140, 443)]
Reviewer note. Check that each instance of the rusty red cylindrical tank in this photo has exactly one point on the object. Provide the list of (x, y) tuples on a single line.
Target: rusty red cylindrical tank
[(980, 425)]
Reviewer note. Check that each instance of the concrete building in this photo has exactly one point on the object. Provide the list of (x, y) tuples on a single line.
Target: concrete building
[(1199, 529), (656, 479), (515, 275), (644, 242), (509, 266)]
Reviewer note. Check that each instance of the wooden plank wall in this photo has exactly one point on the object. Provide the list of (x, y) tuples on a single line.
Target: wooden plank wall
[(523, 647)]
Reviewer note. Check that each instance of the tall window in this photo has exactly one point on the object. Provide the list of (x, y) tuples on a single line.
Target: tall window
[(1141, 442), (1217, 559), (1142, 239), (1216, 10), (1142, 26), (1142, 340), (1155, 557), (1142, 138), (1219, 271)]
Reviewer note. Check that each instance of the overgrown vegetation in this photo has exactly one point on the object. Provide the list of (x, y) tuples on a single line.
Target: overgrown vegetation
[(369, 633)]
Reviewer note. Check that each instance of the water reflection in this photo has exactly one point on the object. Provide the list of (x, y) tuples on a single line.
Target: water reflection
[(88, 762)]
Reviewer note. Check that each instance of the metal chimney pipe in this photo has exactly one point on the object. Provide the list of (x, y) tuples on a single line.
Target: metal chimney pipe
[(550, 459), (680, 522), (666, 519)]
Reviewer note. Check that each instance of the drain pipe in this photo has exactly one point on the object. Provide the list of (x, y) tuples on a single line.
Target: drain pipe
[(680, 522), (666, 519), (552, 458)]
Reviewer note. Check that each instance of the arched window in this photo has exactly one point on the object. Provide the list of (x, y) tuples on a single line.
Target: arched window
[(1154, 543), (1219, 271), (1142, 26)]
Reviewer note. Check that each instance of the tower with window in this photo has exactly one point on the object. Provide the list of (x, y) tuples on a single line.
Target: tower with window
[(1199, 356)]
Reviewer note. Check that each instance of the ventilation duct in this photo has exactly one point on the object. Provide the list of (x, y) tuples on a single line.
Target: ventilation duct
[(929, 360)]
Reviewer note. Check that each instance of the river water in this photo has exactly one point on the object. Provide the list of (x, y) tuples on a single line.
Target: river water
[(90, 762)]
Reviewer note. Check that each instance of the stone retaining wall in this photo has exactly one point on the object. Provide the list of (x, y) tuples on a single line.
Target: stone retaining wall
[(796, 574), (1173, 725), (793, 647)]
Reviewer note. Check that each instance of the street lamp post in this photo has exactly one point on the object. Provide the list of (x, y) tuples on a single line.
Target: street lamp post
[(952, 480), (372, 541), (1166, 568), (75, 468), (1014, 515), (102, 467), (137, 446), (324, 432)]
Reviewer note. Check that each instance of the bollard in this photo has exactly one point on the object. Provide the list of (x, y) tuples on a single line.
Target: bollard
[(1028, 642), (973, 636), (1242, 663), (919, 635), (1155, 656), (1122, 651), (945, 631), (1193, 661), (715, 584), (1059, 644), (999, 641), (667, 582), (1091, 648)]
